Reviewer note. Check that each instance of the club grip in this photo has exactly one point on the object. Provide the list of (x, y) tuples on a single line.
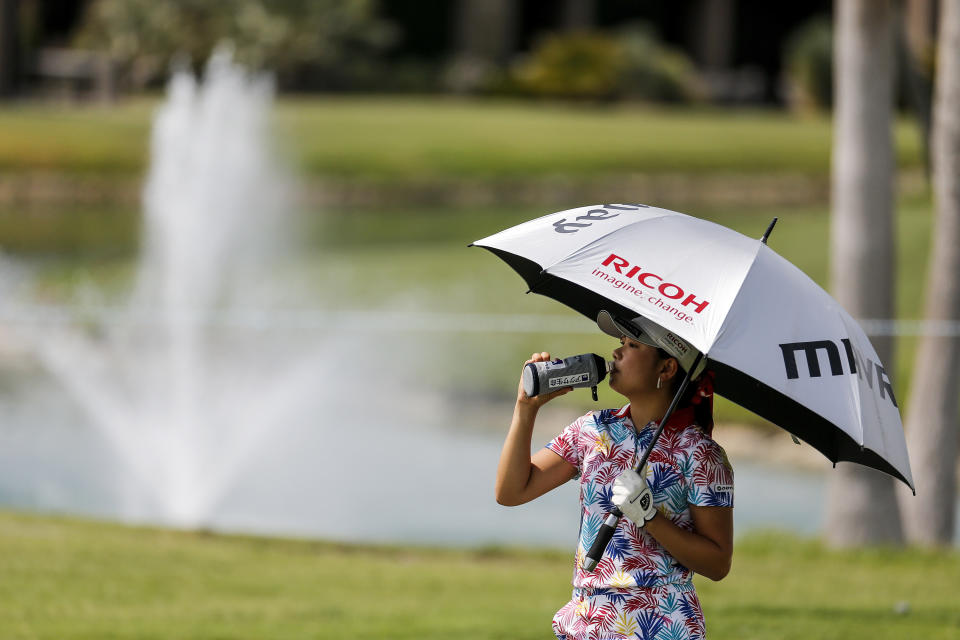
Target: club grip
[(602, 540)]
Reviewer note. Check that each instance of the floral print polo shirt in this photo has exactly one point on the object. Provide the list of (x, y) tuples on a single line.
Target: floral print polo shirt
[(686, 467)]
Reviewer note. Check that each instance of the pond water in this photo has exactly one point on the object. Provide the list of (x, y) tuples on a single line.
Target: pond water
[(414, 467)]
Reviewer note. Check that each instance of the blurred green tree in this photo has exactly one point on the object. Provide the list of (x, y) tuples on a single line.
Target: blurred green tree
[(595, 65), (290, 37), (809, 66), (579, 65), (655, 71)]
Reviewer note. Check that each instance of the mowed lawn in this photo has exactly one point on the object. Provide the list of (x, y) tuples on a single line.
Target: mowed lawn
[(67, 579), (401, 137)]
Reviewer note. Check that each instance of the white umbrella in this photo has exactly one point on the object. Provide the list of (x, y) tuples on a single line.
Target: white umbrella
[(778, 344)]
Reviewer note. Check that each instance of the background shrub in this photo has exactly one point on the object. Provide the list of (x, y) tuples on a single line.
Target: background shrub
[(631, 63)]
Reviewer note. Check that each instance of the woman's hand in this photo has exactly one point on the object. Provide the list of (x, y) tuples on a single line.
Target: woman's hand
[(633, 497), (537, 401)]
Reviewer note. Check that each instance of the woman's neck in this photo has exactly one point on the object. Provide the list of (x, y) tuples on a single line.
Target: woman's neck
[(648, 407)]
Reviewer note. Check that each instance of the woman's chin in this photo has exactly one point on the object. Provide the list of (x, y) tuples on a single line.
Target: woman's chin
[(618, 386)]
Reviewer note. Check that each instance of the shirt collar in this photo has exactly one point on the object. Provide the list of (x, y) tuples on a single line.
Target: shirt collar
[(679, 419)]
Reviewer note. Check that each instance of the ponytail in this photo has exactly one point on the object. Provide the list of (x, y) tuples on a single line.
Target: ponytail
[(698, 394)]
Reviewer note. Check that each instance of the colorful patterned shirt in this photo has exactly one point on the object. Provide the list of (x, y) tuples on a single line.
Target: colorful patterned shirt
[(686, 467)]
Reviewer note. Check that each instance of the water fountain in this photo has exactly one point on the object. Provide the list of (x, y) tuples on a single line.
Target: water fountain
[(201, 400), (179, 394)]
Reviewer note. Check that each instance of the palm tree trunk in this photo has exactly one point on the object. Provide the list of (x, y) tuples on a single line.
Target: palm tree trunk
[(932, 418), (861, 504)]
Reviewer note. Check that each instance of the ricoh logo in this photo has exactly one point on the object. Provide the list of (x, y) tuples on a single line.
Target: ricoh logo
[(676, 342), (652, 281), (865, 368), (594, 215)]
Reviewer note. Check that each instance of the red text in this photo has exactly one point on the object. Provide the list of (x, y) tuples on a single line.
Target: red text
[(653, 281)]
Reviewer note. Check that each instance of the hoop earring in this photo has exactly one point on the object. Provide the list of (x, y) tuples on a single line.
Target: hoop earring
[(658, 383)]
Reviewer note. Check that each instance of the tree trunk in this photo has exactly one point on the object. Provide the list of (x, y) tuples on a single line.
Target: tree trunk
[(485, 33), (486, 30), (578, 15), (932, 418), (919, 39), (712, 34), (920, 19), (9, 47), (711, 37), (861, 504)]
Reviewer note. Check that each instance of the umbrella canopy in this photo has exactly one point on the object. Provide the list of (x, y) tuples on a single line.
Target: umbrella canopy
[(778, 344)]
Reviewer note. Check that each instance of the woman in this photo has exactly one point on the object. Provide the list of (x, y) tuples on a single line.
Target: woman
[(642, 587)]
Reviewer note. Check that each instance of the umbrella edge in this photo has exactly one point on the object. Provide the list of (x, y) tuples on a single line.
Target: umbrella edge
[(791, 416)]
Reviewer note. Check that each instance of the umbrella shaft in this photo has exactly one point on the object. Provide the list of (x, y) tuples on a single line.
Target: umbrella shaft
[(666, 416)]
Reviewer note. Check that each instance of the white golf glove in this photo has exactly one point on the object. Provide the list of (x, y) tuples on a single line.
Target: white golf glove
[(633, 497)]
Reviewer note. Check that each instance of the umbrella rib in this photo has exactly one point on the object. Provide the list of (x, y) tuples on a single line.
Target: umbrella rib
[(579, 249), (740, 292), (544, 269)]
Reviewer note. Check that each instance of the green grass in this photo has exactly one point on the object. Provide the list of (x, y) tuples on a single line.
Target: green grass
[(75, 139), (401, 138), (72, 579)]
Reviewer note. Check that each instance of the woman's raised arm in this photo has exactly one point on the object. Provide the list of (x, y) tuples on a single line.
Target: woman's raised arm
[(520, 476)]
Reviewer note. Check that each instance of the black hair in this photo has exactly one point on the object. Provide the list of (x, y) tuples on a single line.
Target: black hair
[(702, 411)]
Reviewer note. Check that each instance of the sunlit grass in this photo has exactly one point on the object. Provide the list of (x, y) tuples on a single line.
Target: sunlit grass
[(67, 579), (400, 138), (404, 137), (81, 139)]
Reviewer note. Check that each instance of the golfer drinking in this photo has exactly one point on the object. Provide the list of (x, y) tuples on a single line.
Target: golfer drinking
[(642, 587)]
